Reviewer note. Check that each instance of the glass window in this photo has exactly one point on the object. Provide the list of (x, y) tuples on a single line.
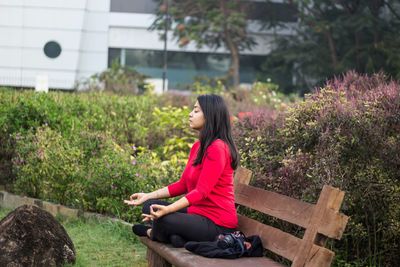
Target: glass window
[(257, 10), (114, 54), (184, 67), (134, 6), (270, 11)]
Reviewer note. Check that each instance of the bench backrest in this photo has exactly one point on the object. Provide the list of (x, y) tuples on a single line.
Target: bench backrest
[(320, 221)]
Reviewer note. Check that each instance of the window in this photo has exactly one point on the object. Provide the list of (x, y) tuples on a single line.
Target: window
[(52, 49), (114, 54), (257, 10), (270, 11), (134, 6), (184, 67)]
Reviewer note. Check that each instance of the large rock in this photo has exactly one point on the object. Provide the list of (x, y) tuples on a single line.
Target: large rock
[(30, 236)]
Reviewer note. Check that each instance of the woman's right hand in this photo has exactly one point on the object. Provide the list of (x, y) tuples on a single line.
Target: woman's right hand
[(137, 199)]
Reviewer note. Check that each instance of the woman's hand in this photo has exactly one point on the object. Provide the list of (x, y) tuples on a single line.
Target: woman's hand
[(137, 199), (157, 211), (147, 217)]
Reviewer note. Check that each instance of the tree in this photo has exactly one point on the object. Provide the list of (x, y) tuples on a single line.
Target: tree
[(212, 23), (334, 36)]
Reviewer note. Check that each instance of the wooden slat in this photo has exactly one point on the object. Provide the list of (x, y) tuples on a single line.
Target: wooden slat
[(337, 198), (273, 239), (341, 220), (274, 204), (289, 209), (279, 242), (334, 223), (325, 199), (320, 257), (242, 176)]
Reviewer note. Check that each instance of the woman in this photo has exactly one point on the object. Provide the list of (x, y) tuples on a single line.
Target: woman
[(207, 209)]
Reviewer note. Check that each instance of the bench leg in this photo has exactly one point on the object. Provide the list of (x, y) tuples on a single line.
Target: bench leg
[(155, 260)]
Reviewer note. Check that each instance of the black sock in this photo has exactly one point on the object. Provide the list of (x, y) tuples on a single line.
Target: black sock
[(140, 229)]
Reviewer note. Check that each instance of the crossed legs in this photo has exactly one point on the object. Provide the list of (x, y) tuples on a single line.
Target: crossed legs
[(180, 226)]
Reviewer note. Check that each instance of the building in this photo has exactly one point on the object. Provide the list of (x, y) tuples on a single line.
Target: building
[(70, 40)]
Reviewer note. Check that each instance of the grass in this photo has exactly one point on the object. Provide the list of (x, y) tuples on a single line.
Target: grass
[(102, 243)]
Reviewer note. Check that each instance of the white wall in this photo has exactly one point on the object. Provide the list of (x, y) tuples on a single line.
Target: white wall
[(79, 26), (94, 39)]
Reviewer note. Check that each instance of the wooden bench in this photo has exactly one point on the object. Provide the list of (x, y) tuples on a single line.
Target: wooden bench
[(320, 221)]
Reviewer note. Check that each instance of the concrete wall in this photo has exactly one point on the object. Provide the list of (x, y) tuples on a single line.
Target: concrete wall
[(79, 26)]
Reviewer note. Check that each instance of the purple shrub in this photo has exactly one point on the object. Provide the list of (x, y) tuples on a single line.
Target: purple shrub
[(346, 134)]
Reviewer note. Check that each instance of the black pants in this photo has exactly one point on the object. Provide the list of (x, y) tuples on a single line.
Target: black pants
[(190, 227)]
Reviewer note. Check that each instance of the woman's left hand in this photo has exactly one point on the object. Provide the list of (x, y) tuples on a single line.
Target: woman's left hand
[(157, 211)]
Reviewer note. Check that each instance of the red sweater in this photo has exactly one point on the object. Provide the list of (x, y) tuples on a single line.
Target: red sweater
[(209, 185)]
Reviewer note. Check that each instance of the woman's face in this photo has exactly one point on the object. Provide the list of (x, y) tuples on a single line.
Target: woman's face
[(196, 118)]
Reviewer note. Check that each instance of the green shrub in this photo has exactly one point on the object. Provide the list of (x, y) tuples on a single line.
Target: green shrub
[(76, 149), (175, 99), (117, 79), (261, 97), (36, 173), (71, 113), (171, 136), (91, 172), (123, 118), (204, 85)]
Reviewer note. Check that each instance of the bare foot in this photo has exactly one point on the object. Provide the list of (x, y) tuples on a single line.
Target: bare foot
[(149, 233)]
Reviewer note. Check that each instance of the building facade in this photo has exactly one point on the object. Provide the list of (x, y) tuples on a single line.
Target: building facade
[(70, 40)]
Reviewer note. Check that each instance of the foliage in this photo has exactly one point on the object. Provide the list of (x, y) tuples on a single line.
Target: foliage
[(259, 98), (336, 36), (33, 165), (90, 172), (204, 85), (347, 135), (210, 23), (92, 150), (176, 99), (117, 79), (170, 124), (72, 113), (65, 147)]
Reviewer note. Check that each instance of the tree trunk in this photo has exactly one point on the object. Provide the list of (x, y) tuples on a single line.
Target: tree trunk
[(332, 48), (234, 68), (233, 73), (375, 7), (357, 51)]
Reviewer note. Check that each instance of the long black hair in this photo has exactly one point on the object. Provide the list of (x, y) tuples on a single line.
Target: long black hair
[(217, 126)]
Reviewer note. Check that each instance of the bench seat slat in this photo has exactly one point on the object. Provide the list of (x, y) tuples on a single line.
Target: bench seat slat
[(181, 257), (289, 209)]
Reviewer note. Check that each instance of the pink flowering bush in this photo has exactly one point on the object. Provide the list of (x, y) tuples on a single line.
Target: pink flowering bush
[(346, 134)]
